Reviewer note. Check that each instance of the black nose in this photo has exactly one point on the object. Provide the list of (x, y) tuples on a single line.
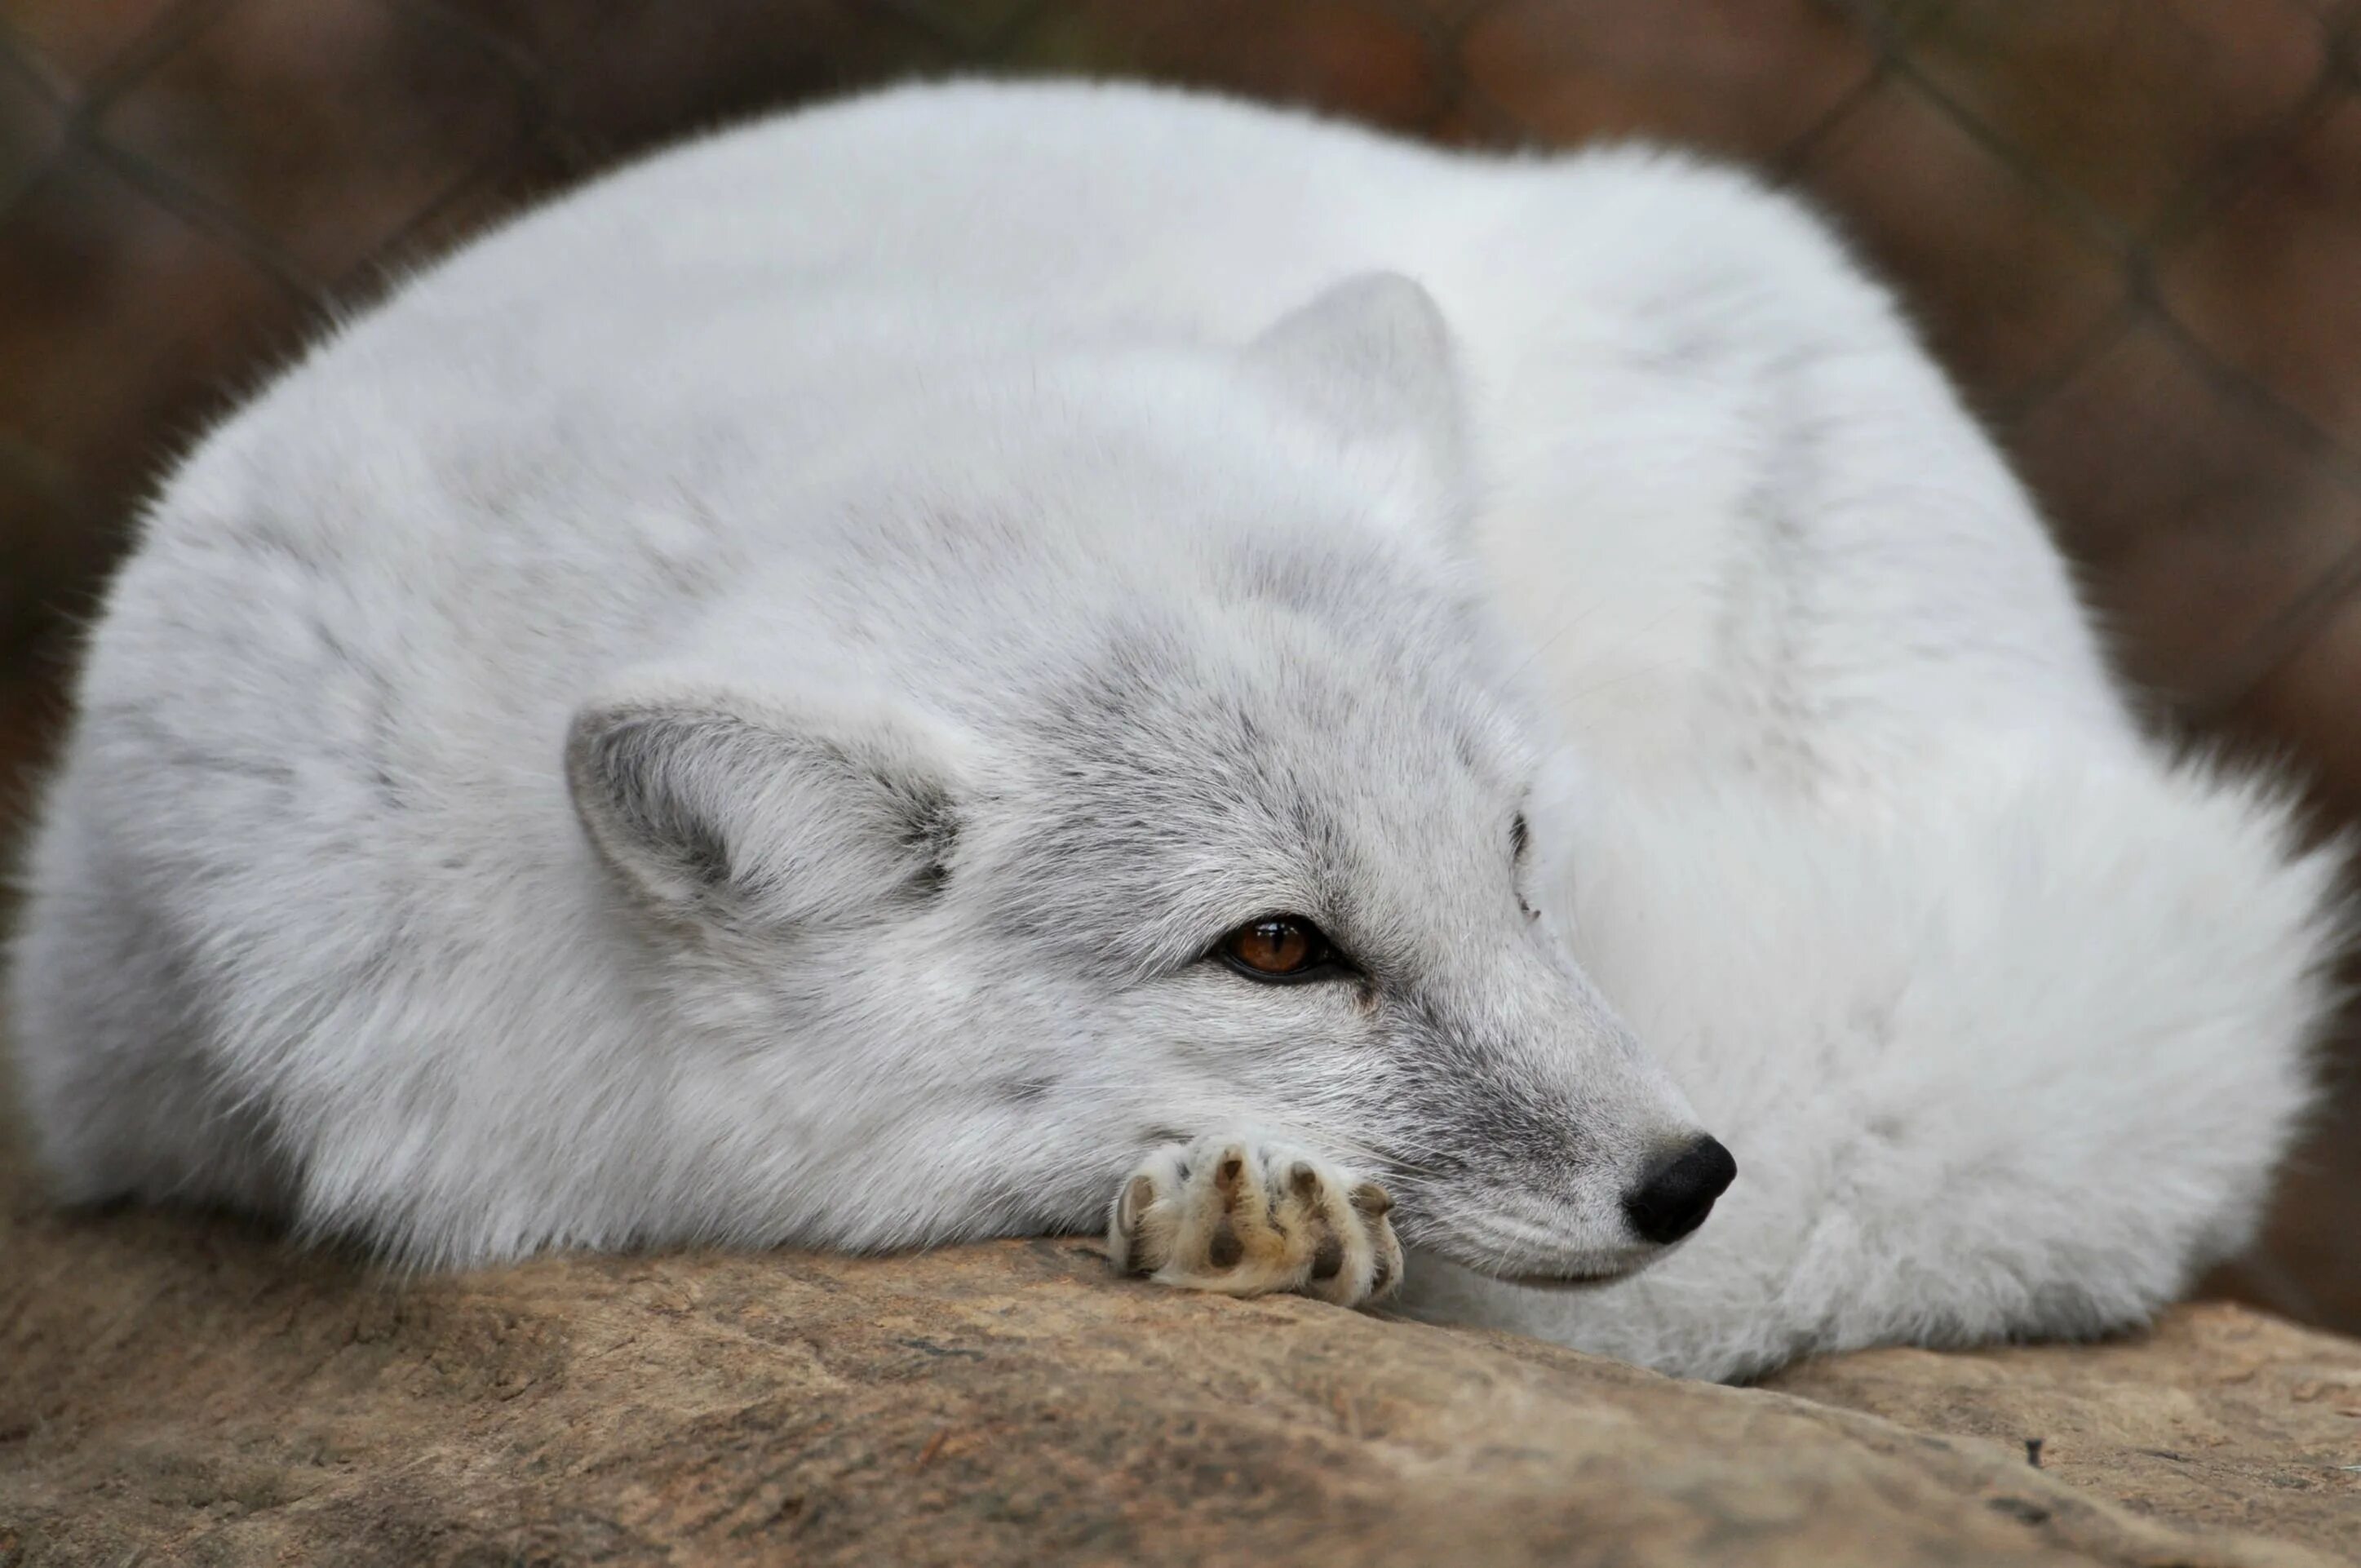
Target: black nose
[(1677, 1197)]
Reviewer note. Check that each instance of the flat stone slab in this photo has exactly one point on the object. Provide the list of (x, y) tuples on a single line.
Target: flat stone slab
[(2219, 1418), (182, 1389)]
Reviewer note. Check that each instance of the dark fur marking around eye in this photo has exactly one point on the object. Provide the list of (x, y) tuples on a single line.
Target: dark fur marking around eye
[(1281, 949)]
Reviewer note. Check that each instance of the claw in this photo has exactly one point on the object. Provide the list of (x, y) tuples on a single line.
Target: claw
[(1136, 1196), (1247, 1220)]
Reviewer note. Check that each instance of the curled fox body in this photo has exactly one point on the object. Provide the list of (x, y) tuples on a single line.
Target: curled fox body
[(999, 658)]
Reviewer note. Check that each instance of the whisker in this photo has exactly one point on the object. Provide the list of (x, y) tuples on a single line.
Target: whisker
[(1383, 1155)]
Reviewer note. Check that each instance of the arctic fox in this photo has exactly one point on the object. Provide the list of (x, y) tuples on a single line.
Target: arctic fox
[(990, 659)]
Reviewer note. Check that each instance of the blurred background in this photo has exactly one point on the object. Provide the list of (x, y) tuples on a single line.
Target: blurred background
[(2132, 228)]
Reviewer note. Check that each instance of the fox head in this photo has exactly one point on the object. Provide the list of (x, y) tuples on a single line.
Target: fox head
[(1139, 759)]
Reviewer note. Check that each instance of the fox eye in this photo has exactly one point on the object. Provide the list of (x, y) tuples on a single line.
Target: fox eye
[(1278, 948)]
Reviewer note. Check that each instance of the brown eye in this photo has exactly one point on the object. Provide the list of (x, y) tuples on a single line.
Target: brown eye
[(1278, 946)]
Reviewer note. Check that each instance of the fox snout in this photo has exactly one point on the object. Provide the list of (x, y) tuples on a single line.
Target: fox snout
[(1674, 1198), (1612, 1234)]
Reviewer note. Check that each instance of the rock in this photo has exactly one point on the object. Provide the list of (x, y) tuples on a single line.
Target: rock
[(2220, 1416), (192, 1390)]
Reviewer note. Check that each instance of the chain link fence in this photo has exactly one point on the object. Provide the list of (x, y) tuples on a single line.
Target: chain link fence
[(2131, 227)]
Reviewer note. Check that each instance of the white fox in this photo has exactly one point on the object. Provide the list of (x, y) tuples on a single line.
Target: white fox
[(929, 668)]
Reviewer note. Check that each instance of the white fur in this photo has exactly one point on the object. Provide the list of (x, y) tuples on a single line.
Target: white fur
[(858, 446)]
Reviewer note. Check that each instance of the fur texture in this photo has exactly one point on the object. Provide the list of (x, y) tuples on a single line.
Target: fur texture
[(736, 708)]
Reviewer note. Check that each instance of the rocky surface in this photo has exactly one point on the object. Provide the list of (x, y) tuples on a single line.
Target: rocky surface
[(177, 1389), (2220, 1418)]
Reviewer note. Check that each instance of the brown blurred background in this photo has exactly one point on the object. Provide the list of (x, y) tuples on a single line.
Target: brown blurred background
[(2132, 228)]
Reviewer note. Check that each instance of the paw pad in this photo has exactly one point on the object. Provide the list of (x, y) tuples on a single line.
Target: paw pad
[(1248, 1218)]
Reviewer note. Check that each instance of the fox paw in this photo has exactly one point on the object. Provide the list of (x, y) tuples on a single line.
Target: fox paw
[(1251, 1219)]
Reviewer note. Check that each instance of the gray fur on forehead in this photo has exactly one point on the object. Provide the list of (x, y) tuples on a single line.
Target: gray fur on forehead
[(1193, 769)]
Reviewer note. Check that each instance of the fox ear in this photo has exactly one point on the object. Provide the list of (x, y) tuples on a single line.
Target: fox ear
[(762, 811), (1372, 358)]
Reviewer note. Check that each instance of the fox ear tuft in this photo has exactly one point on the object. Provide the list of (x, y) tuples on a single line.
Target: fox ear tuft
[(759, 810), (1372, 358)]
